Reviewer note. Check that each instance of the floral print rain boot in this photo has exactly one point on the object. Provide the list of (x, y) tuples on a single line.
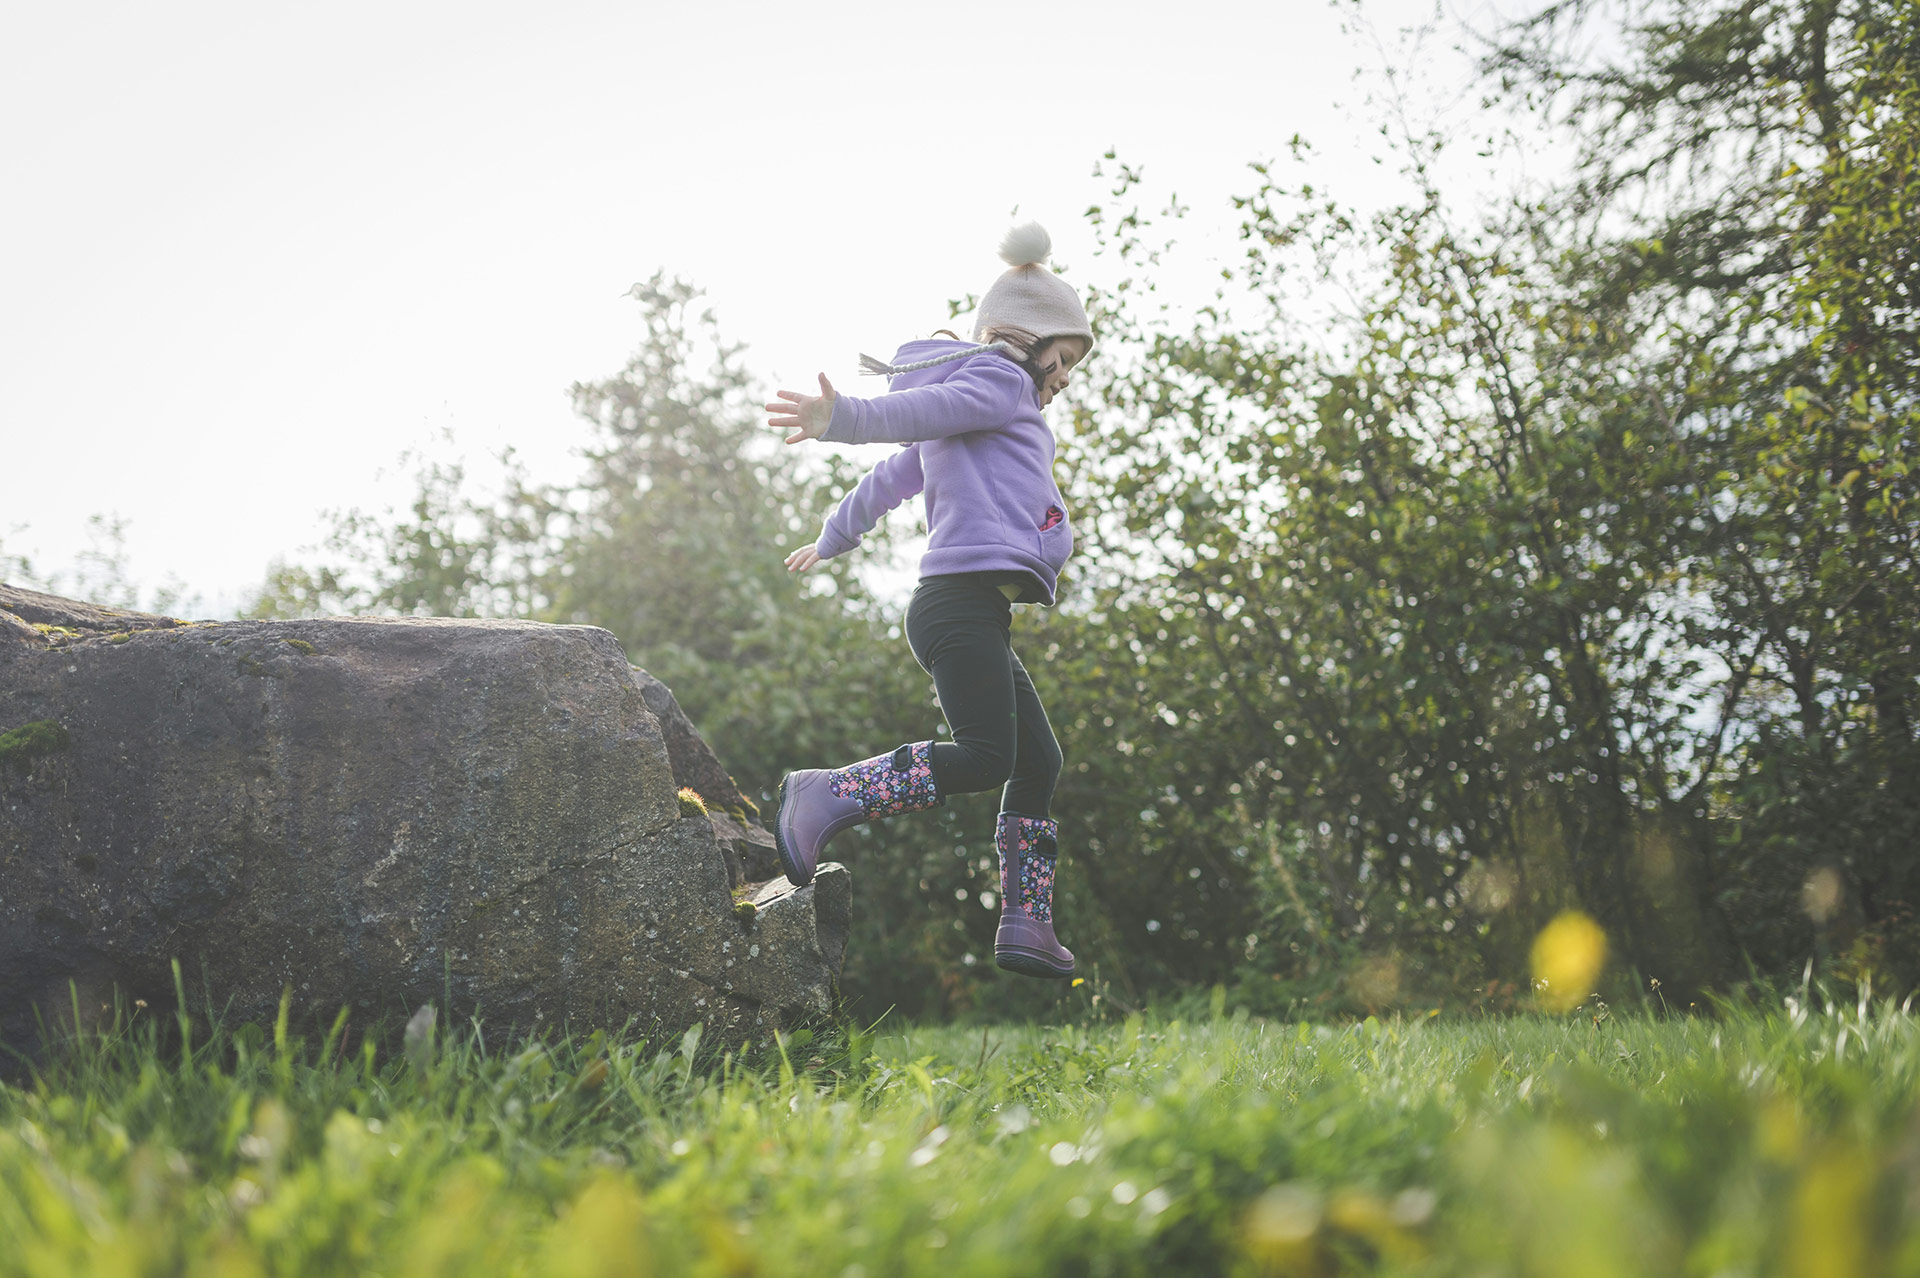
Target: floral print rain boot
[(1025, 942), (818, 803)]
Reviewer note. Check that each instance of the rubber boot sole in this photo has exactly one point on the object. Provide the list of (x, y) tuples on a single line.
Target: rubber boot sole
[(1027, 962)]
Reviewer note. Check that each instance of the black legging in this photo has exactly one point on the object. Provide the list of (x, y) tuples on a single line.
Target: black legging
[(960, 628)]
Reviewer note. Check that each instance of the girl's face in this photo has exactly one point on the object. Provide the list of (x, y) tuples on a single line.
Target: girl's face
[(1056, 358)]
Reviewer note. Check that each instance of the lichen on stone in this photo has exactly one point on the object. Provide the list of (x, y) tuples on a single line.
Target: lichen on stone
[(300, 646)]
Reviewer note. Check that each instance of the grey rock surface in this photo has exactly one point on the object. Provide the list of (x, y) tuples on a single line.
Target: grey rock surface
[(372, 813)]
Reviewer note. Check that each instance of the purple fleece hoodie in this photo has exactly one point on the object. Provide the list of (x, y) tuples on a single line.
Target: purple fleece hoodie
[(978, 447)]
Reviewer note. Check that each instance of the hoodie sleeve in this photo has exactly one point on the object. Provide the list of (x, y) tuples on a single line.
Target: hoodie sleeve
[(982, 394), (879, 490)]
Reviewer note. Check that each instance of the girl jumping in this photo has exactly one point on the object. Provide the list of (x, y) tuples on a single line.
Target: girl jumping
[(978, 448)]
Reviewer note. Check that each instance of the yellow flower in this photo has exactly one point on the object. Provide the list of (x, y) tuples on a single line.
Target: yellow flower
[(1567, 958)]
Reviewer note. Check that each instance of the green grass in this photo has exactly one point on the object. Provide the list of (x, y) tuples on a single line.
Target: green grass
[(1783, 1141)]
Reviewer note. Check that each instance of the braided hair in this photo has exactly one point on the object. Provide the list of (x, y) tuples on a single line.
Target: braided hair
[(1017, 344)]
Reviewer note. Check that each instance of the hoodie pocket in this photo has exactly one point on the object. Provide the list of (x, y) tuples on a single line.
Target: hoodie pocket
[(1055, 538)]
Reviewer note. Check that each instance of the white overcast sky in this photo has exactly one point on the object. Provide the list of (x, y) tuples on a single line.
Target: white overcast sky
[(249, 253)]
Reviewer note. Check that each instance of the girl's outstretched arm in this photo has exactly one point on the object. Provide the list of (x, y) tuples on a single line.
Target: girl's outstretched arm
[(984, 393), (879, 490)]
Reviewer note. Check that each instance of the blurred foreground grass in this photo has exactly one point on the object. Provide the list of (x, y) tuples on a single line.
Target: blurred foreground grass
[(1782, 1141)]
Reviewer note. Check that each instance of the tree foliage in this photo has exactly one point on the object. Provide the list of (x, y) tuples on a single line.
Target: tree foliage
[(1573, 565), (1583, 573)]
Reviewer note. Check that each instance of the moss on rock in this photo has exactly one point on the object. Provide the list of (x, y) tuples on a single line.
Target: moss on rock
[(30, 741)]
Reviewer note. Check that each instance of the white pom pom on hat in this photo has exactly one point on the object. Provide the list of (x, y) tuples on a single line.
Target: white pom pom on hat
[(1029, 296), (1027, 245)]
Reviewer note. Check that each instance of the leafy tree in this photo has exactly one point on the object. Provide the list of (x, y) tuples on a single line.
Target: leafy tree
[(1777, 142), (1575, 568), (1580, 575)]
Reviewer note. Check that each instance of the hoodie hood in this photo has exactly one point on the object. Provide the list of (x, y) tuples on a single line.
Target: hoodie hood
[(933, 348)]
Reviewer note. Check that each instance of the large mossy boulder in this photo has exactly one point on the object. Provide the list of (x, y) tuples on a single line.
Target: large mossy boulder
[(375, 814)]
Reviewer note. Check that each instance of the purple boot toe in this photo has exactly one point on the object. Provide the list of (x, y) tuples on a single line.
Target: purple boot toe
[(810, 814)]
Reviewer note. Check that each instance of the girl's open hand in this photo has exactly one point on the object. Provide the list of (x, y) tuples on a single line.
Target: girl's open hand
[(803, 416), (805, 557)]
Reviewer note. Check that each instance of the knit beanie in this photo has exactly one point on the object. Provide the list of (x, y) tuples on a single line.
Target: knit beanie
[(1030, 296)]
